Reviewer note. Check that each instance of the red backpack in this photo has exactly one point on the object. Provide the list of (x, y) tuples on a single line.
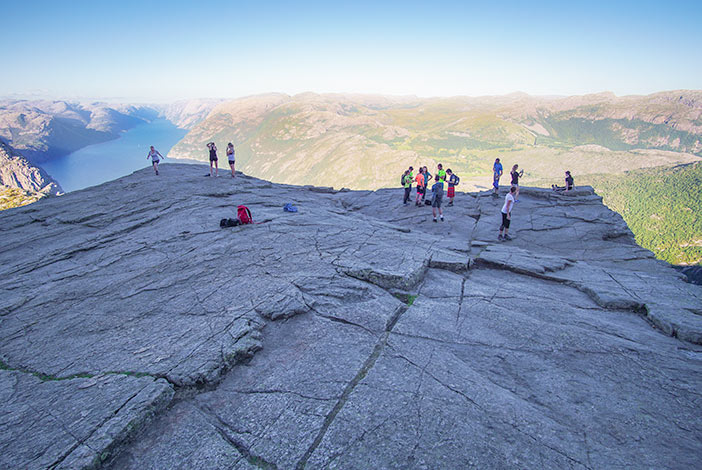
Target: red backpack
[(244, 215)]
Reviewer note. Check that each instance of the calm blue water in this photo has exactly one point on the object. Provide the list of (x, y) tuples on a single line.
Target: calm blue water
[(110, 160)]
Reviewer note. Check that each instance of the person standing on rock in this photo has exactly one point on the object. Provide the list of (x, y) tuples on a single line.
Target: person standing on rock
[(437, 194), (421, 187), (496, 174), (440, 173), (408, 184), (507, 214), (515, 179), (155, 157), (230, 157), (452, 183), (427, 178), (213, 158)]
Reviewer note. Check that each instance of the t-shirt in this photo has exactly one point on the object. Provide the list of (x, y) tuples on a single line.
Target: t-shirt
[(230, 153), (154, 155), (508, 198), (497, 168), (453, 180), (441, 175), (569, 182), (408, 180), (438, 189), (515, 177), (420, 180)]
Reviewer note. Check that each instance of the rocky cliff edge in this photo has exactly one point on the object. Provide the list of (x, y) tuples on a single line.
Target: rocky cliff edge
[(355, 333)]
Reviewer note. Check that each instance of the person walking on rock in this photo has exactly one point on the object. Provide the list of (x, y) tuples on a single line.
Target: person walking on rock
[(496, 174), (507, 214), (452, 183), (230, 157), (408, 184), (421, 187), (155, 157), (213, 158), (437, 191)]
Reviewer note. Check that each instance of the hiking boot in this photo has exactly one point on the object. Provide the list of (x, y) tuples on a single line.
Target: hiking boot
[(450, 204), (442, 218), (434, 219), (500, 237), (507, 237)]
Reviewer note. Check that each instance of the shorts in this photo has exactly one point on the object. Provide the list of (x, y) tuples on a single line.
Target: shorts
[(213, 159), (451, 191), (437, 200), (155, 161), (420, 189), (231, 161), (505, 221)]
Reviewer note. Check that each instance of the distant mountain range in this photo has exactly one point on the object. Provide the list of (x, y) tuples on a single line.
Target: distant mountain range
[(365, 142)]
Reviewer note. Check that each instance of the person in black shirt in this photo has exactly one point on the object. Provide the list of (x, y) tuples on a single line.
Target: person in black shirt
[(569, 184), (213, 158), (515, 179)]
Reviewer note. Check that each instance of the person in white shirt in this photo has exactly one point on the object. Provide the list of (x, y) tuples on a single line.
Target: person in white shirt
[(230, 157), (507, 214), (155, 157)]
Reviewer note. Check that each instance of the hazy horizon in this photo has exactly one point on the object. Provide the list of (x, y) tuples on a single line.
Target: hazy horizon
[(144, 101), (169, 51)]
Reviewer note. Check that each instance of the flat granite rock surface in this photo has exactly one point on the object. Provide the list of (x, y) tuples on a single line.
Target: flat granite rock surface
[(135, 333)]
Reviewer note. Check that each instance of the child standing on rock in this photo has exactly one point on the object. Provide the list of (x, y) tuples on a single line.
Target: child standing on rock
[(507, 214)]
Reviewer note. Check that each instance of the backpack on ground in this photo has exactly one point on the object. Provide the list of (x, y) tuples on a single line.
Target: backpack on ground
[(229, 223), (244, 215)]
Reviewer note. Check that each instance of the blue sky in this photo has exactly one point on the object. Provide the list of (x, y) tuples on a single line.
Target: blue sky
[(161, 51)]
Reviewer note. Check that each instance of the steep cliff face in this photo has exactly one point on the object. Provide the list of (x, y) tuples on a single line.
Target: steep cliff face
[(355, 333), (17, 172)]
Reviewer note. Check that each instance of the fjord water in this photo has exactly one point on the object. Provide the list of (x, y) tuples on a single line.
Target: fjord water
[(106, 161)]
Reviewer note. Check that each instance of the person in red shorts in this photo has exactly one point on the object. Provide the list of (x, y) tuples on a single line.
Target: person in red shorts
[(453, 181)]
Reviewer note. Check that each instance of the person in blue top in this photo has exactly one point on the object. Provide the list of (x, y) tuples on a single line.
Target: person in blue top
[(437, 195), (496, 173)]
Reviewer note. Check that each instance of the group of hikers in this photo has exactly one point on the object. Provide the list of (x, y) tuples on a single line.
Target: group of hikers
[(156, 157), (422, 180), (213, 158), (437, 190)]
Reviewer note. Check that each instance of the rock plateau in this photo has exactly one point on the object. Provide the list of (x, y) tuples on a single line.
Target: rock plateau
[(137, 334)]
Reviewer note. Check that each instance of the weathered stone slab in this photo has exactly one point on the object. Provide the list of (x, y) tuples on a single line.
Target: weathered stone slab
[(349, 334), (72, 423)]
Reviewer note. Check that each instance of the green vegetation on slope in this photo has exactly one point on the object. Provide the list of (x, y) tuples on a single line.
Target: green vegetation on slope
[(661, 206), (14, 197)]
